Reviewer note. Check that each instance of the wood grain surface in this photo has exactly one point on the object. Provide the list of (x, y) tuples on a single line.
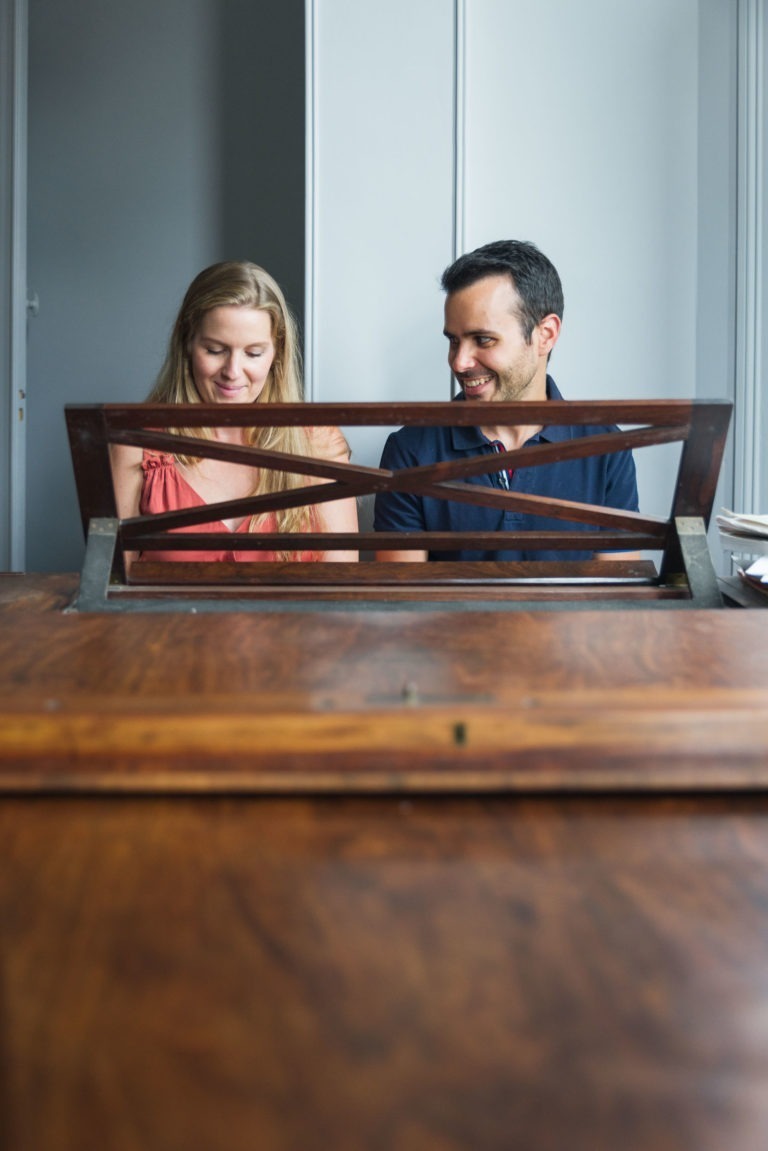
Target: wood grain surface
[(50, 592), (423, 974)]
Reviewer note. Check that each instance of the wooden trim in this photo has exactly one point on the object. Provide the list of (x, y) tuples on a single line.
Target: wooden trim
[(13, 290)]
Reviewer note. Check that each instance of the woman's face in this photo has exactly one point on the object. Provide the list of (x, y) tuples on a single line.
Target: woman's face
[(231, 354)]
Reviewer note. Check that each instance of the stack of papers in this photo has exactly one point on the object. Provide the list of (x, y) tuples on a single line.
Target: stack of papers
[(743, 535), (747, 534), (738, 525)]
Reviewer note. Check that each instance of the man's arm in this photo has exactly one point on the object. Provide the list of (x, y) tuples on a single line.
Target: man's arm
[(398, 511), (621, 492)]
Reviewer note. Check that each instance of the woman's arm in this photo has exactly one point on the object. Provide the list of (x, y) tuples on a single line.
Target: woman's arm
[(127, 477), (339, 515)]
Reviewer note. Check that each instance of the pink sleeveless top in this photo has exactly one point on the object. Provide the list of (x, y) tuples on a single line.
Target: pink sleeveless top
[(165, 490)]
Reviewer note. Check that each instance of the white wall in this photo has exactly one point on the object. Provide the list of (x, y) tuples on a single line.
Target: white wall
[(761, 382), (384, 213), (581, 133), (751, 430), (588, 148), (716, 219)]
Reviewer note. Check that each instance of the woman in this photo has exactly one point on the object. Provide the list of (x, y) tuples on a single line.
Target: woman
[(234, 341)]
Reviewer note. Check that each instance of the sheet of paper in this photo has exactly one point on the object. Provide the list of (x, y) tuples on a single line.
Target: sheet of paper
[(759, 570)]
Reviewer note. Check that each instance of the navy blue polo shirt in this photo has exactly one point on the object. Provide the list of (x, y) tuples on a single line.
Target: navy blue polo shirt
[(607, 481)]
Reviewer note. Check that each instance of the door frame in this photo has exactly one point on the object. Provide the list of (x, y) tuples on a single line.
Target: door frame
[(14, 21)]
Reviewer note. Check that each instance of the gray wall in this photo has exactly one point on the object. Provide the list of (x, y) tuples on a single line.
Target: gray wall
[(163, 135), (716, 222)]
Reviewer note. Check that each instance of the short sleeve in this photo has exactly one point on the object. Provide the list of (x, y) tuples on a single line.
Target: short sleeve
[(398, 511), (329, 443), (622, 482)]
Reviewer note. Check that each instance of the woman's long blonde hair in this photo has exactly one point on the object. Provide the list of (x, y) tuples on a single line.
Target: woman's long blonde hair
[(242, 284)]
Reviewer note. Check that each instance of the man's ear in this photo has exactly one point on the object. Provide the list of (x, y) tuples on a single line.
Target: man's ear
[(547, 333)]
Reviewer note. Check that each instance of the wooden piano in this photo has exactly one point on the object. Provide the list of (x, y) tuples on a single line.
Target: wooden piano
[(353, 867)]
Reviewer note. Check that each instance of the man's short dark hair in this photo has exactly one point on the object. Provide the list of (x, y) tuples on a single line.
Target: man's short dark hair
[(534, 277)]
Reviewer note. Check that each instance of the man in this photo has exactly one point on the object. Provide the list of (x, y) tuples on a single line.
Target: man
[(503, 314)]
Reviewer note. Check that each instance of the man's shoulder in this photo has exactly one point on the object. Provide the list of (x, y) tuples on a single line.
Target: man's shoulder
[(577, 430), (425, 444)]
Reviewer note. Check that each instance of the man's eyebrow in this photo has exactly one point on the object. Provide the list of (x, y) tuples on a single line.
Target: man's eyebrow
[(472, 332)]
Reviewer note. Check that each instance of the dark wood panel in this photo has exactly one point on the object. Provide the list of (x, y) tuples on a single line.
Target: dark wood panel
[(459, 575), (384, 700), (656, 413)]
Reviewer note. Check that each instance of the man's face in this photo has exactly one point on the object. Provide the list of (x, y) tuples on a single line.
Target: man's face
[(487, 350)]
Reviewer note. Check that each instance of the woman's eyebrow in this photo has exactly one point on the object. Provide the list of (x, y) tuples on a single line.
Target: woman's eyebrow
[(224, 344)]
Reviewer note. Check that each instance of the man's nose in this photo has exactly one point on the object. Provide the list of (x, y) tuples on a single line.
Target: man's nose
[(462, 359)]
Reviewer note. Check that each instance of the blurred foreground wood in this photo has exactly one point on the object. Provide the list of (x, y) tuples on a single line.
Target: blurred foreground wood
[(217, 974)]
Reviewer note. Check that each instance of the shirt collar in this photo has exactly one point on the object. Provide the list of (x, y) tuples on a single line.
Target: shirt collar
[(465, 439)]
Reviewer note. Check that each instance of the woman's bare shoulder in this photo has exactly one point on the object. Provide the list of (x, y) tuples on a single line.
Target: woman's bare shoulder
[(125, 455)]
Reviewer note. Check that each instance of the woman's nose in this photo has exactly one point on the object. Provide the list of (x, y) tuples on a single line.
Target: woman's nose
[(231, 367)]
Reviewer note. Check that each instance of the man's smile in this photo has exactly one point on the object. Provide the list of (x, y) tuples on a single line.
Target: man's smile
[(472, 384)]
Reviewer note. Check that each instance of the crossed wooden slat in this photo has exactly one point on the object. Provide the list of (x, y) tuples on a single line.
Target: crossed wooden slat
[(700, 426)]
